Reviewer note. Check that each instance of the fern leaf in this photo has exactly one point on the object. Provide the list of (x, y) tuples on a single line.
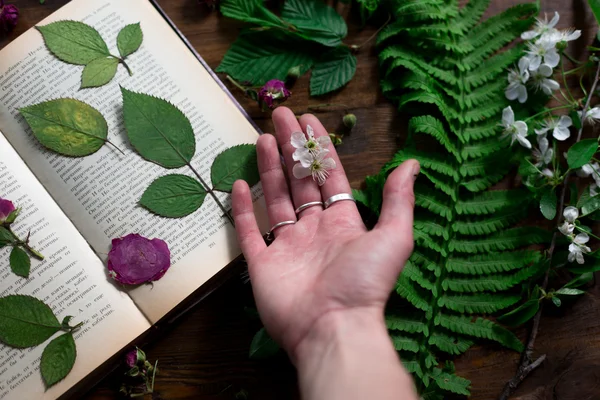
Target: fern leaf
[(419, 258), (476, 131), (482, 166), (492, 67), (412, 366), (491, 283), (451, 382), (426, 241), (441, 183), (450, 344), (480, 328), (433, 127), (470, 14), (431, 226), (432, 161), (483, 148), (413, 273), (411, 61), (432, 201), (405, 343), (493, 262), (483, 183), (418, 10), (405, 324), (491, 202), (478, 303), (505, 240), (492, 223), (406, 290)]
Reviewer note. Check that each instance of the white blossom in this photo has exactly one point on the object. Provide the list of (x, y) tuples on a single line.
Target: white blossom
[(316, 165), (591, 116), (578, 248), (542, 51), (589, 169), (559, 127), (571, 214), (548, 172), (311, 145), (541, 79), (594, 189), (541, 27), (517, 130), (567, 35), (517, 79), (543, 155)]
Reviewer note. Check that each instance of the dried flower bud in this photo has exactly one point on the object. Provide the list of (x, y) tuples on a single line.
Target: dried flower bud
[(134, 259), (9, 16), (349, 121), (274, 92), (336, 139), (131, 358), (6, 209)]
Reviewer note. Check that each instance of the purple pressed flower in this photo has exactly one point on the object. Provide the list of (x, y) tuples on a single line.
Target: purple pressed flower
[(273, 93), (9, 15), (134, 259), (6, 207), (131, 358)]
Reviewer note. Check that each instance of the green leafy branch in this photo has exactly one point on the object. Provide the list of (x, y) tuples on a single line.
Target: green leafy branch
[(20, 263), (77, 43)]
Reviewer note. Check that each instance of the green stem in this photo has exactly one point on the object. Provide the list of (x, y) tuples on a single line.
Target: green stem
[(572, 59), (355, 47), (25, 244), (122, 61), (236, 84), (562, 71), (548, 111), (586, 232), (212, 193), (154, 376), (74, 328), (574, 70)]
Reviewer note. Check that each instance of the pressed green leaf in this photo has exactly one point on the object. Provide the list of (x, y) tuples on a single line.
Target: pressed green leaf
[(481, 328), (99, 72), (5, 237), (521, 314), (74, 42), (581, 153), (489, 283), (67, 126), (493, 262), (450, 344), (130, 39), (58, 359), (334, 70), (405, 324), (238, 162), (158, 130), (505, 240), (453, 383), (263, 346), (491, 202), (478, 303), (316, 21), (26, 321), (20, 263), (404, 343), (405, 289), (548, 204), (173, 196)]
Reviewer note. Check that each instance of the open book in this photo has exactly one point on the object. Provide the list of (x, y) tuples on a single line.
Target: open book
[(75, 206)]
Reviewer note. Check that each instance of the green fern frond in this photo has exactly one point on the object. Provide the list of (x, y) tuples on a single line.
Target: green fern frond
[(451, 382), (431, 226), (493, 262), (405, 324), (432, 161), (440, 182), (450, 344), (480, 328), (482, 166), (478, 303), (478, 131), (407, 291), (432, 201), (489, 283), (416, 275), (428, 242), (470, 14), (483, 183), (491, 202), (505, 240), (405, 343), (492, 67), (492, 223), (433, 127), (483, 148)]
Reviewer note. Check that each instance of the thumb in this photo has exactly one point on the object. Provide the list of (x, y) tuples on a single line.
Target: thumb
[(396, 217)]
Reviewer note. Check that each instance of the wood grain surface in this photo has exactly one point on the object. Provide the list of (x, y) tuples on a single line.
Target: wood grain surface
[(205, 354)]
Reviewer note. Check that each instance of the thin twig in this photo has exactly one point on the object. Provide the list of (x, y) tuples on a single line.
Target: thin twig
[(526, 365)]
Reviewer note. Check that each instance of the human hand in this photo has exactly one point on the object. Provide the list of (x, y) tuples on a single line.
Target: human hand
[(327, 263)]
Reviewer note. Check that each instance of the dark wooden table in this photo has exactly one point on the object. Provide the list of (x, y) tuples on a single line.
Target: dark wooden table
[(205, 354)]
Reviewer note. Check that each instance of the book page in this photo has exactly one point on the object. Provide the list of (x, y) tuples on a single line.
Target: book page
[(100, 193), (70, 279)]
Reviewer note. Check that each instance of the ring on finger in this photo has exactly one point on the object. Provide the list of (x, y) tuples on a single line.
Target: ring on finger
[(308, 205), (338, 197), (276, 226)]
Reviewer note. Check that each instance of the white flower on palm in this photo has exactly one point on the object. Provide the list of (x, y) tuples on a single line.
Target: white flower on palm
[(311, 146), (540, 79), (542, 51), (591, 116), (541, 27), (578, 248), (559, 127), (517, 130), (318, 166), (570, 214), (543, 155), (517, 79)]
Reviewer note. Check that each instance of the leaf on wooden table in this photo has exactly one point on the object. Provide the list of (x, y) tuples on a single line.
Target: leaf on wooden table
[(58, 359), (130, 39), (99, 72), (333, 71), (26, 321), (521, 314), (74, 42), (67, 126), (20, 263), (238, 162), (173, 196), (315, 21), (158, 130)]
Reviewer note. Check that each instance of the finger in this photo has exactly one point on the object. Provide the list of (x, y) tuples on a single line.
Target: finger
[(248, 234), (275, 188), (337, 182), (303, 190), (396, 219)]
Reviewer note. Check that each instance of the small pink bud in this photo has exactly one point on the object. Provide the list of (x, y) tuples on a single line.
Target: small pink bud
[(134, 259), (6, 208), (9, 16)]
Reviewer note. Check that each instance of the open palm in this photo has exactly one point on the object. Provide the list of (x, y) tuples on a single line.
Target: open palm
[(327, 261)]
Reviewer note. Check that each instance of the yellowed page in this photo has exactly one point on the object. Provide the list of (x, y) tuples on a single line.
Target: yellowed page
[(100, 192), (71, 280)]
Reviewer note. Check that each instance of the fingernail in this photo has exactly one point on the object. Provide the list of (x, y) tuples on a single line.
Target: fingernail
[(415, 170)]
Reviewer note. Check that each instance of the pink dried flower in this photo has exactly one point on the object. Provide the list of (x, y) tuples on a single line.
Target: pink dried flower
[(9, 16), (131, 358), (274, 92), (134, 259), (6, 207)]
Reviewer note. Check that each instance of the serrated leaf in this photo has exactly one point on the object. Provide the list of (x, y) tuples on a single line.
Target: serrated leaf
[(334, 70), (58, 359), (158, 130), (26, 321), (130, 39), (481, 328), (548, 204), (591, 205), (20, 263), (316, 21), (404, 343), (252, 11), (263, 346), (453, 383), (581, 153), (5, 237), (581, 280), (67, 126), (478, 303), (257, 57), (238, 162), (99, 72), (521, 314), (74, 42), (173, 196)]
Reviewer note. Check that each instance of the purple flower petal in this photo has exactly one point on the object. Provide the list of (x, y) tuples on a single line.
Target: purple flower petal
[(273, 92), (131, 358), (6, 207), (134, 259), (9, 16)]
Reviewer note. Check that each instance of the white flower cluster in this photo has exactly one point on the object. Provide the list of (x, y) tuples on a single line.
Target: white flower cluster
[(536, 67), (592, 170), (577, 248), (312, 156)]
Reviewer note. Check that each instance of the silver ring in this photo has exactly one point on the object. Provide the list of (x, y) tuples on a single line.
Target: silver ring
[(308, 205), (278, 225), (338, 197)]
